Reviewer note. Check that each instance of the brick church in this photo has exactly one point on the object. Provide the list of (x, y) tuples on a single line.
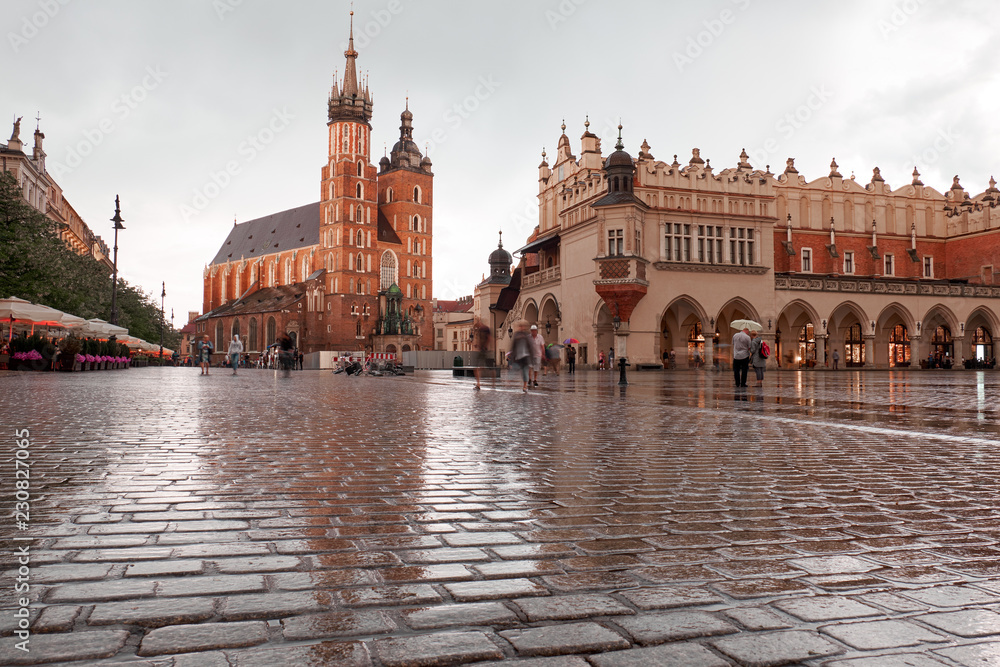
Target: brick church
[(350, 272)]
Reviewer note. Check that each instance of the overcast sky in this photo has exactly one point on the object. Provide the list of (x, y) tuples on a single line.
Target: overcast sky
[(153, 100)]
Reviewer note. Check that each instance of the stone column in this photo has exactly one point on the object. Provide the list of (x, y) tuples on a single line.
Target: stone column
[(820, 350), (772, 361), (960, 351), (709, 351), (915, 352), (869, 350)]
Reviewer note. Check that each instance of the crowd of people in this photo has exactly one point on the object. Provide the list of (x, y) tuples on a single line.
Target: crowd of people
[(282, 355)]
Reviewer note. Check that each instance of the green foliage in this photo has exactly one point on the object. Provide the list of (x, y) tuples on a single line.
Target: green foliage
[(35, 264), (70, 345)]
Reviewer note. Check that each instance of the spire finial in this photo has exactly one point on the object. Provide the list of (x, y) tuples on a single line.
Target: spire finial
[(564, 126), (38, 120), (500, 244), (586, 123), (619, 146)]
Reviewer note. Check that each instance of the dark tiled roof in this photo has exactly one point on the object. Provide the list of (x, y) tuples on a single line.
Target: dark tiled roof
[(508, 295), (618, 198), (286, 230), (267, 300), (445, 306), (385, 231)]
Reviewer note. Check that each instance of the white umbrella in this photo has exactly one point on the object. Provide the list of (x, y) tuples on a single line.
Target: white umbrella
[(14, 309), (739, 325)]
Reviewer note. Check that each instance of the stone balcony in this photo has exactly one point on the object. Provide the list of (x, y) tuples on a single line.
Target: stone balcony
[(552, 274), (881, 285)]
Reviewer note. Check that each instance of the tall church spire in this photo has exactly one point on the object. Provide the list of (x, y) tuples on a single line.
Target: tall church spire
[(350, 102), (350, 71)]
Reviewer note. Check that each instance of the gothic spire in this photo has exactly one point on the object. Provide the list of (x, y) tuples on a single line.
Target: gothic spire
[(350, 70)]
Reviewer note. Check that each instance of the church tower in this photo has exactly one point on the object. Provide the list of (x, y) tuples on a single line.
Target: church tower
[(406, 197), (348, 207)]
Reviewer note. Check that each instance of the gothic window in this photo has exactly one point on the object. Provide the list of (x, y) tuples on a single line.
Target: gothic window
[(288, 272), (236, 327), (361, 239), (416, 194), (360, 266), (388, 195), (220, 335), (416, 223), (360, 191), (271, 334), (361, 215), (361, 168), (305, 268), (252, 342)]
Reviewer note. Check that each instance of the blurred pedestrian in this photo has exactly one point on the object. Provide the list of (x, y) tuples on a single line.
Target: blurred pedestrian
[(570, 359), (757, 358), (741, 356), (285, 354), (836, 358), (480, 346), (299, 357), (205, 350), (521, 352), (611, 358), (537, 353), (600, 361), (235, 350)]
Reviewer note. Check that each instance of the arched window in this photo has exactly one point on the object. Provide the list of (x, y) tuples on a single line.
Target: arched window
[(252, 342), (305, 268), (236, 327), (271, 334), (416, 193), (220, 336), (288, 272), (982, 344), (899, 346), (942, 345), (389, 273), (253, 273), (361, 167), (360, 191), (361, 215), (222, 292), (361, 239), (416, 223), (388, 195), (270, 274), (854, 347), (360, 265), (350, 262)]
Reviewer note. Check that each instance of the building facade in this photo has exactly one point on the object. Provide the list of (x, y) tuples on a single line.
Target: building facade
[(649, 257), (357, 263), (43, 194)]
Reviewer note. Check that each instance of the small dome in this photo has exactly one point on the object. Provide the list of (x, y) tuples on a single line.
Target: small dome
[(426, 160), (618, 159), (407, 114), (384, 162), (501, 256)]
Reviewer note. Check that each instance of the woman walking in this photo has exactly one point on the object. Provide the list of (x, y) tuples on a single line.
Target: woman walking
[(757, 357), (235, 350)]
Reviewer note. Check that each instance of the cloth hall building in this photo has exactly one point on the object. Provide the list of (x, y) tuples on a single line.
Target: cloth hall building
[(652, 257), (350, 272)]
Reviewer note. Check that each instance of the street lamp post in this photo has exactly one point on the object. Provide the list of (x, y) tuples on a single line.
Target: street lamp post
[(163, 295), (114, 263), (616, 323)]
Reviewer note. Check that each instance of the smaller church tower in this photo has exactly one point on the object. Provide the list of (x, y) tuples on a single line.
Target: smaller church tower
[(406, 199)]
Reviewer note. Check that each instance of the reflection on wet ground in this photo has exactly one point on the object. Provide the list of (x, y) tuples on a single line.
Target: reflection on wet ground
[(827, 518)]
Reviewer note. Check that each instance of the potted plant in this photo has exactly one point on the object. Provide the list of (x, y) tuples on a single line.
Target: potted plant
[(69, 353)]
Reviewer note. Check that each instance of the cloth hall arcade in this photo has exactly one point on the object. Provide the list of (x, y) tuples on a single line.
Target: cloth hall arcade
[(650, 256)]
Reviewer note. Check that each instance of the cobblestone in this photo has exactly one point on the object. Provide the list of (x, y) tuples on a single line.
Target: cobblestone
[(841, 519)]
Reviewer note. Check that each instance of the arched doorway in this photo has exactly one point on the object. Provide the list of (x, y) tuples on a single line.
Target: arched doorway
[(807, 346), (271, 334), (982, 344), (854, 347), (390, 349), (695, 345), (899, 346), (942, 346)]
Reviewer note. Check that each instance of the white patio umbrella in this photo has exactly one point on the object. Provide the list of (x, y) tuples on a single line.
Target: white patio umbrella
[(14, 309)]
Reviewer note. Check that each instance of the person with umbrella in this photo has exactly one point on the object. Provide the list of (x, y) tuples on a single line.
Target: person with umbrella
[(741, 349)]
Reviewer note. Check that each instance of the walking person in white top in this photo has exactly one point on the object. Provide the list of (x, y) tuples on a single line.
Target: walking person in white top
[(235, 350), (538, 353)]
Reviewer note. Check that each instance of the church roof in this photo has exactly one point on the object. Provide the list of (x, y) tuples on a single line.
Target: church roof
[(285, 230), (266, 300), (386, 234)]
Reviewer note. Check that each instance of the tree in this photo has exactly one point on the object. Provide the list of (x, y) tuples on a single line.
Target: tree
[(35, 264)]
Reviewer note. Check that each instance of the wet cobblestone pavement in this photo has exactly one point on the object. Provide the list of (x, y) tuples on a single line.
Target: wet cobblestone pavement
[(840, 519)]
